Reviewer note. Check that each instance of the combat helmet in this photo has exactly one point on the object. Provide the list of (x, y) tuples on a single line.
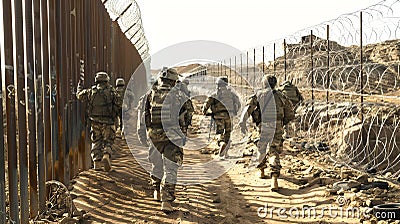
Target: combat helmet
[(101, 77), (120, 82), (222, 81), (270, 81), (169, 73)]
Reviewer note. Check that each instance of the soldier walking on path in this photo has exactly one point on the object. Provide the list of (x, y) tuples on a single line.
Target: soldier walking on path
[(163, 107), (271, 111), (293, 93), (224, 105), (125, 100), (186, 115), (102, 109)]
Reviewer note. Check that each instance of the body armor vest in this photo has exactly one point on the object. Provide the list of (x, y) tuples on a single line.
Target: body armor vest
[(101, 103), (270, 106), (164, 107), (224, 102)]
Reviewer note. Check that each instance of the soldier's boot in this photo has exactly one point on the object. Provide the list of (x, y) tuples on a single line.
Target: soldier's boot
[(274, 183), (157, 195), (97, 165), (222, 151), (166, 207), (106, 162), (262, 174)]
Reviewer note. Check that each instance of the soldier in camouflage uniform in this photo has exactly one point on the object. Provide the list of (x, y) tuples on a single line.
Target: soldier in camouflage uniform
[(162, 117), (141, 125), (183, 85), (102, 110), (125, 105), (292, 92), (224, 105), (186, 116), (294, 95), (270, 110)]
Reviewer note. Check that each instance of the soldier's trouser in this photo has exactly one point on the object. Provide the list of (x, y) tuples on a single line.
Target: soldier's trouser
[(269, 148), (224, 129), (119, 121), (290, 130), (165, 158), (102, 136)]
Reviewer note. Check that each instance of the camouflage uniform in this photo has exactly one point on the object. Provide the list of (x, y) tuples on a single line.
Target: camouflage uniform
[(102, 108), (224, 104), (141, 125), (270, 110), (183, 86), (294, 95), (165, 132), (292, 92), (186, 114), (124, 105)]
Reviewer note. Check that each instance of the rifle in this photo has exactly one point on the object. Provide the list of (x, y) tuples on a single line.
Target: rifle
[(211, 124)]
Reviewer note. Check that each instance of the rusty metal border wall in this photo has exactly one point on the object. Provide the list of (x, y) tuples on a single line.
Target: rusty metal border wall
[(48, 45)]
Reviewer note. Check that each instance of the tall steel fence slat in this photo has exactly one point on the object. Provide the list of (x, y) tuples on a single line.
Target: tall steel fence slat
[(33, 70), (22, 118), (2, 156), (47, 48), (60, 77), (53, 91), (45, 169), (37, 120), (10, 108)]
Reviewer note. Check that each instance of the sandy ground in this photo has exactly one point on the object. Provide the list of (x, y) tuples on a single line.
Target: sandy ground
[(238, 196)]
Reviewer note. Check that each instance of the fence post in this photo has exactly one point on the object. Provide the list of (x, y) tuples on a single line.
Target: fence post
[(22, 102), (53, 88), (230, 70), (312, 69), (284, 49), (220, 69), (328, 64), (236, 75), (254, 69), (2, 158), (263, 60), (224, 64), (44, 154), (10, 108), (247, 69), (361, 68), (275, 60), (328, 79), (32, 99), (217, 69), (241, 73)]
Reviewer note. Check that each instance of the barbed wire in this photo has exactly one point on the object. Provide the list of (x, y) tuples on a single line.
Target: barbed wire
[(8, 217), (127, 14), (352, 57)]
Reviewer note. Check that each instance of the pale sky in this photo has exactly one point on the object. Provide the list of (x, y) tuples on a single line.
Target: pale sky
[(241, 24)]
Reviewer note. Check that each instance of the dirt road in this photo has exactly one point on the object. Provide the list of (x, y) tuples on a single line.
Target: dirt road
[(238, 196)]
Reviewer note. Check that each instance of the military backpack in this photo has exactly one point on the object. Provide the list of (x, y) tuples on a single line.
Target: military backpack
[(101, 103)]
